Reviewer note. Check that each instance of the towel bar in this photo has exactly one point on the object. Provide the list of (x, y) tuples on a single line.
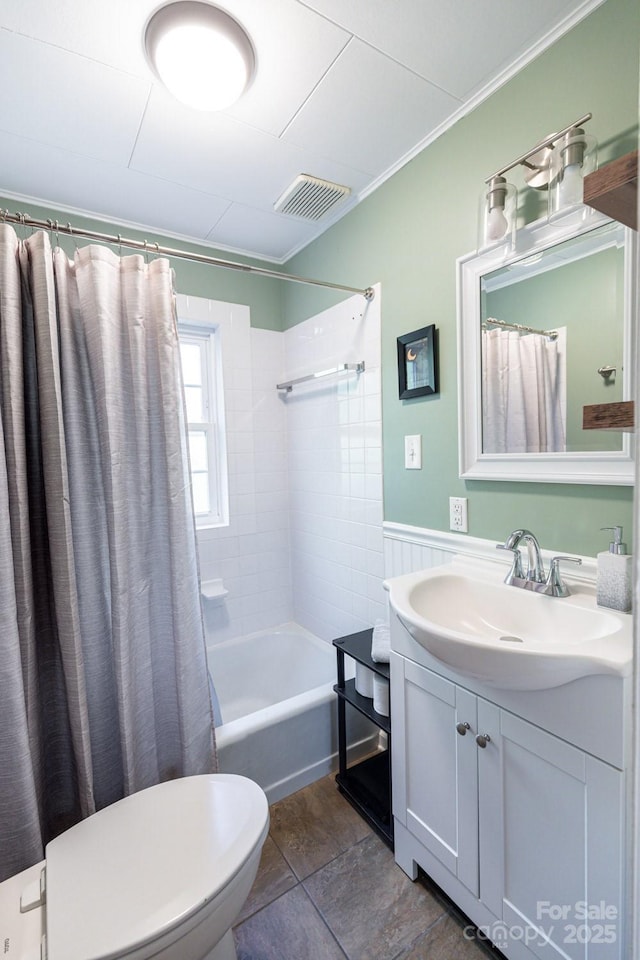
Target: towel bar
[(289, 384)]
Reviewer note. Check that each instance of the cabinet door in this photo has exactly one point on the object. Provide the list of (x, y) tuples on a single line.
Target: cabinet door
[(550, 822), (435, 767)]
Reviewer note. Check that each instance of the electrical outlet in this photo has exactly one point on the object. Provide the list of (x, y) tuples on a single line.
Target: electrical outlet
[(458, 514)]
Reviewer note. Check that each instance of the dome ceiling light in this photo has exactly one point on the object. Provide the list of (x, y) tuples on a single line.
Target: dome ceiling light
[(200, 53)]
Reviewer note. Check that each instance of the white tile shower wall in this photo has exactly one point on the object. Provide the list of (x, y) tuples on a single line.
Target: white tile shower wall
[(251, 554), (335, 470)]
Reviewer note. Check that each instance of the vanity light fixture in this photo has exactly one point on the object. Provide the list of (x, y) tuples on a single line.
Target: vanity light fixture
[(557, 163), (497, 212), (201, 54), (576, 157)]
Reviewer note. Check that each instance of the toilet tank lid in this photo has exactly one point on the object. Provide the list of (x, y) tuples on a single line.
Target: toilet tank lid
[(131, 872)]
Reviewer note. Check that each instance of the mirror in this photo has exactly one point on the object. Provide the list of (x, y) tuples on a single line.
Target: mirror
[(543, 332)]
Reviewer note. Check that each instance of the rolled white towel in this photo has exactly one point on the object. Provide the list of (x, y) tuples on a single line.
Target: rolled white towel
[(380, 642), (364, 680), (381, 695)]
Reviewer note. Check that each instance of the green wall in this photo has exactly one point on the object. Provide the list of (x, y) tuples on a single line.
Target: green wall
[(408, 235), (262, 294)]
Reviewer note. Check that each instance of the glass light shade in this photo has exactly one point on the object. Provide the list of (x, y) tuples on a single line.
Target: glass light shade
[(497, 219), (576, 157), (200, 53)]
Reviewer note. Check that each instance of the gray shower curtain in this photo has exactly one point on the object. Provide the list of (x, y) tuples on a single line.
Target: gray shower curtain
[(103, 680)]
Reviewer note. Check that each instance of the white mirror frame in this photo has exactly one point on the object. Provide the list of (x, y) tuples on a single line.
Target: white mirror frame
[(606, 467)]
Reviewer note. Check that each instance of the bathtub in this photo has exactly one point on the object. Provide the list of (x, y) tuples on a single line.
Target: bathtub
[(279, 712)]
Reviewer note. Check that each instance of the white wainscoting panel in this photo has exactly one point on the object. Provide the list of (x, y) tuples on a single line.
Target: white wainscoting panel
[(407, 549)]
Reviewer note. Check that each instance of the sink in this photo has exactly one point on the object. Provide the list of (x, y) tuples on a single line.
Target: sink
[(470, 620)]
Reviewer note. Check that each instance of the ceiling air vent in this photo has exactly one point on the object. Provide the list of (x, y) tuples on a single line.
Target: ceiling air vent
[(310, 198)]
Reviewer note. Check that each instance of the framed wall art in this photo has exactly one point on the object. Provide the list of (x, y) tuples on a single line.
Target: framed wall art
[(418, 363)]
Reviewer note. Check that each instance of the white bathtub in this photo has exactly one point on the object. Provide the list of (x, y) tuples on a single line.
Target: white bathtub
[(279, 713)]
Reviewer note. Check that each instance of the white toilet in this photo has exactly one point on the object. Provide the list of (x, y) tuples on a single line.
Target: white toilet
[(163, 873)]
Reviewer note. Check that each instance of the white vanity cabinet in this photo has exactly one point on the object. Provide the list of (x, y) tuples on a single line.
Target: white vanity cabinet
[(436, 794), (522, 828)]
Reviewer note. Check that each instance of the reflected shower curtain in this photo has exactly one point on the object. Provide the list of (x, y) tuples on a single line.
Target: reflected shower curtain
[(103, 679), (523, 392)]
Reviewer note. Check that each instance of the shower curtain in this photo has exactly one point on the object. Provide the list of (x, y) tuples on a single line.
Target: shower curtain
[(103, 679), (523, 392)]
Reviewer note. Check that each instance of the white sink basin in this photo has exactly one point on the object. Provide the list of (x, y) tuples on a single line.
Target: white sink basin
[(469, 619)]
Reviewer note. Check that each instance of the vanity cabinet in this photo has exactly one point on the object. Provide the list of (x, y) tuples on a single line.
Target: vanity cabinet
[(522, 829)]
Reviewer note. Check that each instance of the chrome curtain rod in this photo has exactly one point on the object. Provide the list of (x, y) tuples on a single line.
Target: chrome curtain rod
[(24, 220), (551, 334), (547, 142)]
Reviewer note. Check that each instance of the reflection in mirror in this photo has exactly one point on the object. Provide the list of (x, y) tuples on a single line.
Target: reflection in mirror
[(541, 335), (550, 322)]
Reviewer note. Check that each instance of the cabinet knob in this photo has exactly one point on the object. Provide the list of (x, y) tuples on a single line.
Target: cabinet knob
[(483, 739), (462, 728)]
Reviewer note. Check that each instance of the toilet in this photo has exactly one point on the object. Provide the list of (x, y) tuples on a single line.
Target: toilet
[(163, 873)]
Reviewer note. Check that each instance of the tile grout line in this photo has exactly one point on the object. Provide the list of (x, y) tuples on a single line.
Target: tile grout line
[(337, 856), (322, 866), (301, 881), (315, 909), (270, 903), (327, 925), (404, 951)]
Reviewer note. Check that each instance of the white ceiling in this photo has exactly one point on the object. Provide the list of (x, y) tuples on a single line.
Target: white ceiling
[(346, 90)]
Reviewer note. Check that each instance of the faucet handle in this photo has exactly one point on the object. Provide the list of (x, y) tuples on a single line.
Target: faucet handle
[(516, 567), (554, 580)]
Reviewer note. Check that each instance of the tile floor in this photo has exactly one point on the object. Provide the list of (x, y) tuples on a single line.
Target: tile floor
[(328, 889)]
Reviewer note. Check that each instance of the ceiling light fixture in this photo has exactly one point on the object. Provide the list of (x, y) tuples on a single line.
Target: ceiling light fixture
[(200, 53)]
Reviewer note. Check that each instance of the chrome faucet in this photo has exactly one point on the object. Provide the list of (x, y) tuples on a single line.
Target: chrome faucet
[(534, 578), (535, 567)]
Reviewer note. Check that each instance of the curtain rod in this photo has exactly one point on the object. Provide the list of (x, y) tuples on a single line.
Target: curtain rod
[(23, 219), (551, 334)]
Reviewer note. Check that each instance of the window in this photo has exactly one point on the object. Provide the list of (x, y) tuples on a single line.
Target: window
[(202, 378)]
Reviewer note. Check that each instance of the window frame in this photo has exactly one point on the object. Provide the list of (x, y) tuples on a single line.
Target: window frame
[(207, 338)]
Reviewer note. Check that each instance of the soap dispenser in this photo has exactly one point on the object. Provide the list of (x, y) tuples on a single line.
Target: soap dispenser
[(614, 579)]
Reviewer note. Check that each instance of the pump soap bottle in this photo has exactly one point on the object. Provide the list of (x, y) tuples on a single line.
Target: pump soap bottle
[(614, 579)]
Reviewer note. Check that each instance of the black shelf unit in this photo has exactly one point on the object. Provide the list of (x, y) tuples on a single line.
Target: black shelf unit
[(366, 784)]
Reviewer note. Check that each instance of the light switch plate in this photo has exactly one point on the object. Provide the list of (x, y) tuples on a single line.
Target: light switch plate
[(413, 452)]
